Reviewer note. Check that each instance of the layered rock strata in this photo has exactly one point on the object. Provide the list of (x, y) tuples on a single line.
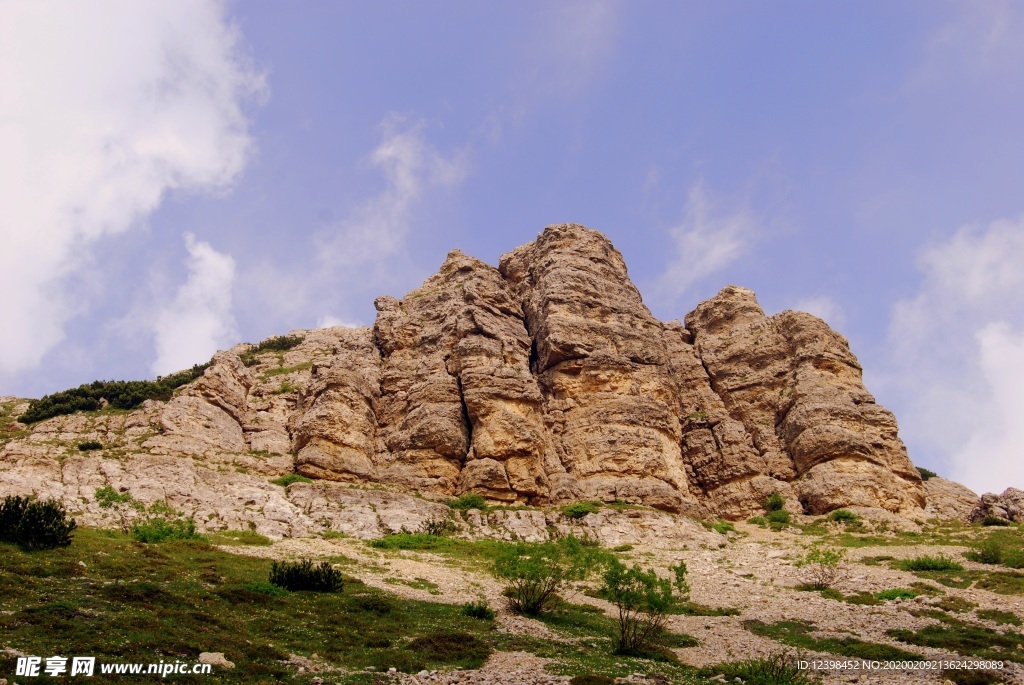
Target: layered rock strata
[(546, 380)]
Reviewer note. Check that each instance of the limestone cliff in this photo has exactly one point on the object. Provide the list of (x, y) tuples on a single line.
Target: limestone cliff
[(544, 380)]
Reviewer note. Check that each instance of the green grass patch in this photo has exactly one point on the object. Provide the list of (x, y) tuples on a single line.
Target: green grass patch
[(896, 593), (938, 562), (291, 478), (965, 638), (578, 510), (232, 538), (281, 370), (1004, 617), (136, 602), (470, 500), (776, 669), (799, 634)]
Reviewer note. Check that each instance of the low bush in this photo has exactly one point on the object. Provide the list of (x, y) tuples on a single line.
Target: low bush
[(537, 572), (33, 524), (774, 502), (926, 474), (939, 562), (723, 527), (994, 521), (89, 445), (843, 516), (438, 526), (290, 478), (304, 576), (776, 669), (470, 500), (778, 517), (578, 510), (116, 394), (896, 593), (644, 602), (279, 343), (822, 566), (478, 609), (988, 551)]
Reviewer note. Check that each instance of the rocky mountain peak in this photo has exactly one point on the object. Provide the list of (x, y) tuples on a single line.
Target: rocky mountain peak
[(547, 380)]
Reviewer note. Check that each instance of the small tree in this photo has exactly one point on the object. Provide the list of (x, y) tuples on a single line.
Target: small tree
[(33, 524), (822, 567), (644, 601), (537, 573)]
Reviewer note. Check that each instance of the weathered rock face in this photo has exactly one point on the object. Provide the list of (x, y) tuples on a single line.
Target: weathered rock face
[(1008, 506), (949, 500), (544, 380)]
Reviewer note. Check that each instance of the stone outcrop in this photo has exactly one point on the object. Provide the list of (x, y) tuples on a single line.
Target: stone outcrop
[(949, 500), (1008, 506), (542, 381)]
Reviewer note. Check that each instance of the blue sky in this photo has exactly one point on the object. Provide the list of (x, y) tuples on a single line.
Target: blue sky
[(181, 176)]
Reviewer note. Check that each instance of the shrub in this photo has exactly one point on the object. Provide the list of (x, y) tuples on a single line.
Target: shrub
[(536, 573), (279, 343), (822, 566), (578, 510), (987, 521), (33, 524), (723, 527), (926, 474), (89, 445), (290, 478), (775, 669), (843, 516), (644, 602), (470, 500), (990, 551), (116, 394), (478, 609), (778, 516), (757, 520), (774, 502), (896, 593), (437, 526), (304, 576), (938, 562), (161, 523)]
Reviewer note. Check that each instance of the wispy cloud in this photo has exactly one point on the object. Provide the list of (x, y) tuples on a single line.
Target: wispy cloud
[(958, 345), (104, 111), (379, 228), (199, 320), (707, 240), (823, 307), (364, 250), (978, 40)]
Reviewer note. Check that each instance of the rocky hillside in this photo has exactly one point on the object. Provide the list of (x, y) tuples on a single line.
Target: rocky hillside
[(542, 381)]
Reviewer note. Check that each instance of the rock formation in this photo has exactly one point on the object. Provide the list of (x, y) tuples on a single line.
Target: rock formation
[(542, 381)]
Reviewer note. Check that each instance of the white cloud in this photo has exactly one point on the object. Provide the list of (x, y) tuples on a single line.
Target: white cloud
[(105, 109), (365, 252), (328, 321), (378, 229), (825, 308), (199, 321), (979, 40), (706, 241), (958, 348)]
